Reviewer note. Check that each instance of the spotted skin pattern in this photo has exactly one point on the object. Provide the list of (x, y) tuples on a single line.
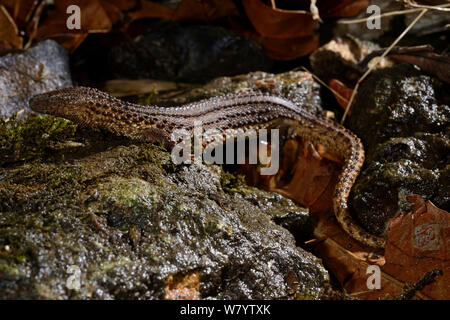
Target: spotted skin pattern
[(231, 115)]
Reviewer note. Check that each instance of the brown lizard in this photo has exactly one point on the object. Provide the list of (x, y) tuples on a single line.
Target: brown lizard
[(229, 114)]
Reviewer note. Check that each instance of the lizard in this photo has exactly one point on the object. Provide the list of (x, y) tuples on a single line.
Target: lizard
[(230, 114)]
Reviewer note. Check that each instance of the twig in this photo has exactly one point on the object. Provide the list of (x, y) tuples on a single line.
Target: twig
[(410, 290), (324, 84), (393, 13), (274, 6), (35, 18), (315, 11), (355, 90), (415, 5)]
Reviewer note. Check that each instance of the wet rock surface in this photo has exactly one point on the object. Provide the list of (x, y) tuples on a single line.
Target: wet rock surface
[(403, 116), (139, 227), (42, 68), (128, 220), (187, 53)]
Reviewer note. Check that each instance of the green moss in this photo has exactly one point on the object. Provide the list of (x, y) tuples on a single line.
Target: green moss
[(127, 193), (231, 183), (104, 268), (150, 98), (33, 138)]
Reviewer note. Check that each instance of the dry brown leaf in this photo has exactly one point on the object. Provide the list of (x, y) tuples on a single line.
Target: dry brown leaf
[(419, 242), (348, 260), (307, 175), (313, 176), (20, 11), (279, 24), (187, 10), (9, 33), (285, 35), (94, 18), (288, 49), (151, 10), (97, 16), (342, 90), (70, 41), (290, 34), (342, 8), (123, 4), (206, 10)]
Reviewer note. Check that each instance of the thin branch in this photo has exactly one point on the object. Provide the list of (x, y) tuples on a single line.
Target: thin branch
[(421, 6), (274, 6), (315, 11), (325, 85), (393, 13)]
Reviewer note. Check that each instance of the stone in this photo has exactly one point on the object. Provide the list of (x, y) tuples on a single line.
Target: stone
[(187, 53), (402, 115), (39, 69)]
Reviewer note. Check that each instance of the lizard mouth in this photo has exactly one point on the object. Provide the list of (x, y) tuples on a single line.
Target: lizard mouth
[(45, 102), (38, 103)]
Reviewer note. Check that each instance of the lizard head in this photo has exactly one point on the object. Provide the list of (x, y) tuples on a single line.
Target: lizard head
[(64, 102)]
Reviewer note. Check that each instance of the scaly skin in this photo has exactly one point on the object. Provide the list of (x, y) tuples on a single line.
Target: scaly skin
[(231, 115)]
